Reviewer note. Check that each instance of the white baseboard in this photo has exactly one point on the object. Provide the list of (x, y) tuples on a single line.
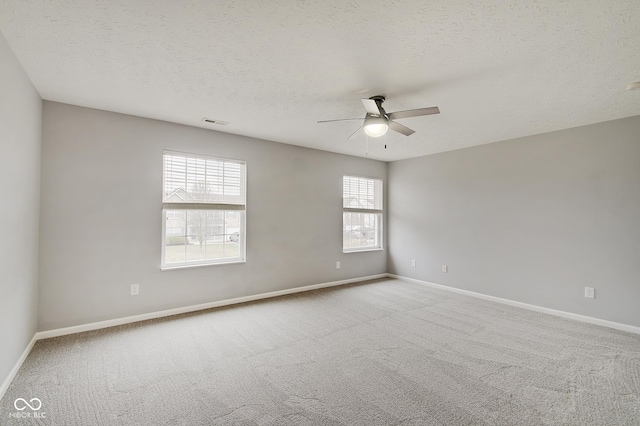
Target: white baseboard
[(169, 312), (563, 314), (16, 367)]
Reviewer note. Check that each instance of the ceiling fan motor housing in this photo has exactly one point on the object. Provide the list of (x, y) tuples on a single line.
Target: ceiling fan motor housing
[(373, 119)]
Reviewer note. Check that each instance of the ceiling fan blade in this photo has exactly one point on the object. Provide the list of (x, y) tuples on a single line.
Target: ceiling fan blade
[(413, 113), (400, 128), (371, 106), (340, 119), (353, 135)]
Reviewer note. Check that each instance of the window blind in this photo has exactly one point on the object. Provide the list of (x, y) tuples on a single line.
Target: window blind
[(361, 194), (192, 179)]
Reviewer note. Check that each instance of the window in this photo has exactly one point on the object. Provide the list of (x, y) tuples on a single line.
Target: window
[(361, 214), (203, 209)]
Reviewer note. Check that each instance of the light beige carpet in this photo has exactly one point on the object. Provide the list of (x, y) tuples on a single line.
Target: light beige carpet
[(380, 353)]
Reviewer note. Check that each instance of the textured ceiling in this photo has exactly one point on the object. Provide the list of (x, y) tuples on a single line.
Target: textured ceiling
[(497, 69)]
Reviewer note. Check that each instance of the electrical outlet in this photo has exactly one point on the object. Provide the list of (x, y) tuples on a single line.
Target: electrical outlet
[(135, 289), (338, 264), (413, 263), (589, 292), (445, 268)]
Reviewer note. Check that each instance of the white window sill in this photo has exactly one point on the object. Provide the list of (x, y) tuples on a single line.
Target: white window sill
[(361, 250), (200, 265)]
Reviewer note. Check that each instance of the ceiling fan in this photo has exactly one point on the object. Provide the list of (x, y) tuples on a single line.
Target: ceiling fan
[(377, 121)]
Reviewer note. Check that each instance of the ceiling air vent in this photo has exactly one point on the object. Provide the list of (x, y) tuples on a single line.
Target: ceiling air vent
[(634, 86), (212, 121)]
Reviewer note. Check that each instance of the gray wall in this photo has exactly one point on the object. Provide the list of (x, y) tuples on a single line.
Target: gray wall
[(534, 219), (20, 126), (101, 217)]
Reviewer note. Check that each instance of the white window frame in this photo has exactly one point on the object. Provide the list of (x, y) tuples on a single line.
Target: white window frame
[(374, 210), (208, 206)]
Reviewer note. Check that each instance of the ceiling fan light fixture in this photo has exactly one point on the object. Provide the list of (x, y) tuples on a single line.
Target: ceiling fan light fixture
[(376, 126)]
